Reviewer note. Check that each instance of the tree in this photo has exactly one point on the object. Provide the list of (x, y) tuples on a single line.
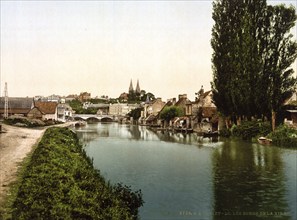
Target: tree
[(279, 54), (171, 112), (221, 59), (135, 113), (253, 52)]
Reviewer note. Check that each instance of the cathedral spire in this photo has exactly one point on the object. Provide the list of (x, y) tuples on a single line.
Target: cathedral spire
[(131, 87), (137, 90)]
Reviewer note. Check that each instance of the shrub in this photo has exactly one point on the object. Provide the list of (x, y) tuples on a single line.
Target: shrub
[(250, 129), (225, 132), (284, 136), (20, 120)]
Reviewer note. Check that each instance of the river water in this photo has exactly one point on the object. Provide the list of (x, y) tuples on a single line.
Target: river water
[(188, 177)]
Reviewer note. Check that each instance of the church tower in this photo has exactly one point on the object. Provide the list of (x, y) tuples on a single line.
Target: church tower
[(137, 90), (131, 87)]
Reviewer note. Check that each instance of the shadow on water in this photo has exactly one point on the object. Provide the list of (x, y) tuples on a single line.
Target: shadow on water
[(249, 182)]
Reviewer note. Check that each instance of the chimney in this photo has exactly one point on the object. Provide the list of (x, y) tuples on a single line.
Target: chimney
[(182, 96), (173, 101)]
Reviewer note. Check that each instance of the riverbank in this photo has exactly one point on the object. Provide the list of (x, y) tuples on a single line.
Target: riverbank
[(15, 144), (59, 180)]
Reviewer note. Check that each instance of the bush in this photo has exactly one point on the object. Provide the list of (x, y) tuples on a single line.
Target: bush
[(26, 122), (60, 182), (249, 129), (225, 132), (284, 136)]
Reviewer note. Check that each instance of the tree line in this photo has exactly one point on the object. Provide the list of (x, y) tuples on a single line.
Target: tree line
[(253, 51)]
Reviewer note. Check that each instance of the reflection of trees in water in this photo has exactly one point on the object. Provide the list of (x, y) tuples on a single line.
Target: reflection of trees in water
[(134, 132), (181, 138), (248, 179), (89, 135)]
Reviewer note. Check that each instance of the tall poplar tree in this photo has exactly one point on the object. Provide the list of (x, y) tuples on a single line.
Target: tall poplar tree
[(253, 52), (280, 53), (222, 37)]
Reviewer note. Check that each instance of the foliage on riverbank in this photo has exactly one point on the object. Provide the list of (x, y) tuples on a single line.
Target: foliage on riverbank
[(60, 182), (284, 136), (247, 130), (21, 121), (250, 129)]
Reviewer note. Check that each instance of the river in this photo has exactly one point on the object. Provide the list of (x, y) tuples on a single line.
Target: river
[(188, 177)]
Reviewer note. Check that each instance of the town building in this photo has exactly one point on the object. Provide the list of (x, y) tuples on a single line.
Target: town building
[(70, 98), (124, 97), (151, 110), (84, 96), (16, 106), (44, 111), (121, 109), (204, 111), (64, 112)]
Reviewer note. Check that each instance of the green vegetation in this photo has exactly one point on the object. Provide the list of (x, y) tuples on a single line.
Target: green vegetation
[(250, 129), (60, 182), (77, 106), (27, 122), (134, 97), (252, 58), (171, 112), (23, 121), (135, 113), (284, 136)]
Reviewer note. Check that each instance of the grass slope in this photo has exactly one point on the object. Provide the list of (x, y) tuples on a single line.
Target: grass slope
[(60, 182)]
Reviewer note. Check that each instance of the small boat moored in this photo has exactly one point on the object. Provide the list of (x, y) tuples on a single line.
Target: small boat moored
[(264, 140)]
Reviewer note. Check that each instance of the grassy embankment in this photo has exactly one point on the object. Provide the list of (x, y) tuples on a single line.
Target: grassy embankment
[(60, 182), (283, 135)]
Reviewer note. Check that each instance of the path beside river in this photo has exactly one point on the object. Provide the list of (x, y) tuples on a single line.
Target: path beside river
[(15, 144)]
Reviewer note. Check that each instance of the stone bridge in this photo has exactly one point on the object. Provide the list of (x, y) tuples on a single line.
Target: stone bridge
[(90, 117)]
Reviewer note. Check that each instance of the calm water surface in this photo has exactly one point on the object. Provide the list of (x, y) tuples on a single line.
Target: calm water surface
[(188, 177)]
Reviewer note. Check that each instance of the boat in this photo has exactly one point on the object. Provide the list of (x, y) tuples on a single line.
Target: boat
[(211, 134), (264, 140)]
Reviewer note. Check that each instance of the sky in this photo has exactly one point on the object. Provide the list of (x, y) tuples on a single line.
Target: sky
[(68, 47)]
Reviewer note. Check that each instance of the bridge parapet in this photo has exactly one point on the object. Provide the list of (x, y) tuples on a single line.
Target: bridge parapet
[(89, 116)]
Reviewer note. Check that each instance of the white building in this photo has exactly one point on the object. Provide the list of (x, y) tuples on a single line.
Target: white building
[(64, 112), (121, 109)]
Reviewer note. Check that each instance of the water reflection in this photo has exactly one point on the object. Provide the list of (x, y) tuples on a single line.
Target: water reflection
[(140, 133), (249, 182), (183, 174)]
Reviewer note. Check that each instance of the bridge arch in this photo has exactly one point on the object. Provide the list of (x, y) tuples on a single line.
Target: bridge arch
[(93, 119), (77, 118), (106, 119)]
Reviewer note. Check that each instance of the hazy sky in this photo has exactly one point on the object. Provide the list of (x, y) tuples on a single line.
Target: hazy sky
[(67, 47)]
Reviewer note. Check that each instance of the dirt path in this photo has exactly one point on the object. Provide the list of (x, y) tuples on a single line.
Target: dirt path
[(15, 144)]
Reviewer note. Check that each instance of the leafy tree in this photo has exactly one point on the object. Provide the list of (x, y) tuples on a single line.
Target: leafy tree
[(279, 54), (135, 113), (171, 112), (253, 52), (141, 97)]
